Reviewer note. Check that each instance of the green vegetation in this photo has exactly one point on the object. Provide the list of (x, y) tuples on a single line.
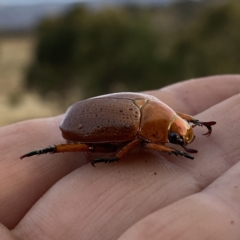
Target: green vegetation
[(134, 49), (212, 44)]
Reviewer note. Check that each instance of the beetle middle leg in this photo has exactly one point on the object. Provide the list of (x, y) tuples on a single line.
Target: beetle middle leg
[(197, 122), (125, 150), (163, 148)]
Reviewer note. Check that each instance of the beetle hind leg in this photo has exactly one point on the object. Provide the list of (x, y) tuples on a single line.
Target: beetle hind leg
[(197, 122), (78, 147), (39, 152), (169, 150)]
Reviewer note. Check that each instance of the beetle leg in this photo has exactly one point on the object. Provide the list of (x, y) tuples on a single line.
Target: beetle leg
[(197, 122), (163, 148), (125, 150), (38, 152), (206, 124), (105, 160), (71, 147)]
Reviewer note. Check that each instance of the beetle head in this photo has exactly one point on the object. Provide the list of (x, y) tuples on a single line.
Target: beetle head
[(181, 132)]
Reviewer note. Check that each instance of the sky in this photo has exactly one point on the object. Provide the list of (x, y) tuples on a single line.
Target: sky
[(31, 2)]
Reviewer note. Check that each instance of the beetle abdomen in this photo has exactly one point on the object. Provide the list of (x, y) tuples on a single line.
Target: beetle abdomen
[(101, 120)]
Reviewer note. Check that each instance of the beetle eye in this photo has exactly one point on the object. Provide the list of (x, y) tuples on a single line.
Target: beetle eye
[(175, 138)]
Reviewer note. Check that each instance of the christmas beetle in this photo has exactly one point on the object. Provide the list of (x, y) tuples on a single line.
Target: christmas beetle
[(119, 122)]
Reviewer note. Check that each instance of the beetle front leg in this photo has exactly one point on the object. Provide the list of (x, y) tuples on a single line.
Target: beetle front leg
[(163, 148), (125, 150), (197, 122)]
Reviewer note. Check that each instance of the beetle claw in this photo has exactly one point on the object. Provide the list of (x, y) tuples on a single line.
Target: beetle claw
[(92, 162), (175, 153), (205, 124), (208, 126), (105, 160), (184, 154), (39, 152)]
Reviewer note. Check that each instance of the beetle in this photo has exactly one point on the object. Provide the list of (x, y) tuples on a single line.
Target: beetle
[(117, 123)]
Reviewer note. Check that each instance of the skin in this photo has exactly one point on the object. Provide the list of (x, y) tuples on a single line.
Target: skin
[(147, 195)]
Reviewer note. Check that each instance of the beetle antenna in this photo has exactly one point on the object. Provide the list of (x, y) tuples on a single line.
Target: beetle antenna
[(39, 152)]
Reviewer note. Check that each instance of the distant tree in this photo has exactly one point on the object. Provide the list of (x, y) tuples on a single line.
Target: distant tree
[(97, 52), (134, 49), (212, 45)]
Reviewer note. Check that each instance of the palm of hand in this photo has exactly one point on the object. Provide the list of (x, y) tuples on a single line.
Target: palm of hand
[(145, 196)]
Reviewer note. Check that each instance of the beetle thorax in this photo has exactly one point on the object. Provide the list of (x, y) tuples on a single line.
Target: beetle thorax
[(155, 119)]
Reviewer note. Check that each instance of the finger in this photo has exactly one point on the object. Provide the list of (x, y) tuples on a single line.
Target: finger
[(114, 192), (23, 182), (196, 95), (216, 214), (111, 196), (6, 233), (218, 152), (47, 136)]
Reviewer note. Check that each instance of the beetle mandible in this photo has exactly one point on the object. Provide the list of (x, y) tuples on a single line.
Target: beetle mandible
[(119, 122)]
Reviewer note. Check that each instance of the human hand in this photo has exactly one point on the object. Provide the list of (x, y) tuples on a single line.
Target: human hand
[(146, 195)]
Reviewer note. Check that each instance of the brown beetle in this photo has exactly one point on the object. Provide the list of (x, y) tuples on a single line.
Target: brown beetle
[(121, 121)]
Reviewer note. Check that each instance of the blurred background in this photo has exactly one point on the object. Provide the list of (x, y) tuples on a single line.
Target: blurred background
[(52, 55)]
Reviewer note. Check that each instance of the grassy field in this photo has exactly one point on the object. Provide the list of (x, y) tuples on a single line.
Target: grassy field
[(16, 103)]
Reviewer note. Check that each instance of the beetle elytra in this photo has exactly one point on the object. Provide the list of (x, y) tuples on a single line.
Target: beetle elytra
[(117, 123)]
